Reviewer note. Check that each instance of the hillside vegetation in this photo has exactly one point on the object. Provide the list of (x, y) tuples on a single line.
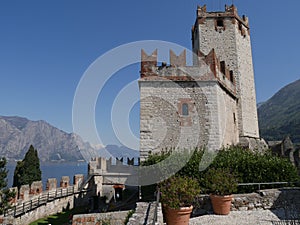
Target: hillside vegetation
[(280, 115)]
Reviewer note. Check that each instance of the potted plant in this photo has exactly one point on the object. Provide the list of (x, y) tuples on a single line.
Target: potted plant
[(177, 195), (221, 183)]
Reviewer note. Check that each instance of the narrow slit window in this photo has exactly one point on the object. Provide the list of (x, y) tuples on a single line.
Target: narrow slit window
[(222, 64), (231, 76), (185, 109)]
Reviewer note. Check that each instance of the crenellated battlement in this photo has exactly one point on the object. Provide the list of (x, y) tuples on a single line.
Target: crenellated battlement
[(230, 13), (27, 192), (101, 165), (207, 68), (219, 86)]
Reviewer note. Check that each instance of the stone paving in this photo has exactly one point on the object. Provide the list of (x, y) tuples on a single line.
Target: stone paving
[(257, 217), (144, 214)]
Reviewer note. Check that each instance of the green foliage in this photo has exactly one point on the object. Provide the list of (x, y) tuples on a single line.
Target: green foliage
[(3, 173), (28, 170), (5, 193), (254, 167), (246, 165), (60, 218), (156, 158), (280, 116), (220, 181), (191, 168), (148, 191), (169, 162), (179, 191)]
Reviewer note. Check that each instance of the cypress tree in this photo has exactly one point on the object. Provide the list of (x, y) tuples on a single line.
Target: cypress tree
[(28, 170), (5, 193)]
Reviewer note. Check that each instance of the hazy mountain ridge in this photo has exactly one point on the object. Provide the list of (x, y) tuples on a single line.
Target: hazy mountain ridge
[(280, 115), (17, 134), (53, 144)]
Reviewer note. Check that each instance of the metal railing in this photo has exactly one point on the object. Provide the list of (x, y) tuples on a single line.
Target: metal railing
[(156, 207), (37, 201), (269, 183)]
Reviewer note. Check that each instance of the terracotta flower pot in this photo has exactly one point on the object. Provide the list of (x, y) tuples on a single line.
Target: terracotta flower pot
[(178, 216), (221, 204)]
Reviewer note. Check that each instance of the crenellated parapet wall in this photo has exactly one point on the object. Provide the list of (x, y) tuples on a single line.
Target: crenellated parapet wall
[(32, 202), (26, 192), (206, 68), (230, 13), (104, 166)]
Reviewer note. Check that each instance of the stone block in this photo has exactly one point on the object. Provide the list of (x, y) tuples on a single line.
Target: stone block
[(24, 192), (36, 188), (51, 184), (64, 182)]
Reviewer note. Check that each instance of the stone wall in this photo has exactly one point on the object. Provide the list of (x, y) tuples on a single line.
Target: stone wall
[(284, 199), (212, 119), (47, 209), (161, 123), (112, 218), (218, 90), (231, 41), (34, 203)]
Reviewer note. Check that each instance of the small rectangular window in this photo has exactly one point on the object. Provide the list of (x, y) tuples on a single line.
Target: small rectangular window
[(220, 23), (185, 109)]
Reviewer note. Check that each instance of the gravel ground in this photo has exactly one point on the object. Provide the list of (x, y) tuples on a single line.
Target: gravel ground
[(260, 217)]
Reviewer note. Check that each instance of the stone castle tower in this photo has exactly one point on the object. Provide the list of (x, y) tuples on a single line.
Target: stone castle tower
[(211, 103)]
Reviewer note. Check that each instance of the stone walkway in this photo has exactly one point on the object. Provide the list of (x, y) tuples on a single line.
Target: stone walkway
[(144, 214), (258, 217)]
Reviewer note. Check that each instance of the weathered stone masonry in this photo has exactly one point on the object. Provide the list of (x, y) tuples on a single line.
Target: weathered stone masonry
[(210, 104)]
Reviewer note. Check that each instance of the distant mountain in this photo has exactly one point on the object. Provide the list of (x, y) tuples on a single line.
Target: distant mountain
[(121, 151), (280, 115), (17, 134)]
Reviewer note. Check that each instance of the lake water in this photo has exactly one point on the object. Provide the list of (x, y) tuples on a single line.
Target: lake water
[(53, 170)]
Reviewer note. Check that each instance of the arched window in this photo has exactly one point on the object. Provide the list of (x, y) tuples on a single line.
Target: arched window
[(185, 109)]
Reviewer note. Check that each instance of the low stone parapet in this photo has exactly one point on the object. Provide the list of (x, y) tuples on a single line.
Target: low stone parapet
[(112, 218), (286, 199)]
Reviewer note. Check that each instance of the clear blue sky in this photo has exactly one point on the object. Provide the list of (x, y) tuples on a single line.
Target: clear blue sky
[(46, 46)]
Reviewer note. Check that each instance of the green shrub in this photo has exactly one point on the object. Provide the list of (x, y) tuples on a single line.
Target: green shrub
[(254, 167), (179, 191), (149, 190), (220, 181), (248, 167)]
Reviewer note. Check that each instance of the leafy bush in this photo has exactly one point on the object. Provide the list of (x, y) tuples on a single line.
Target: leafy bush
[(247, 165), (179, 191), (254, 167), (149, 190), (220, 181)]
